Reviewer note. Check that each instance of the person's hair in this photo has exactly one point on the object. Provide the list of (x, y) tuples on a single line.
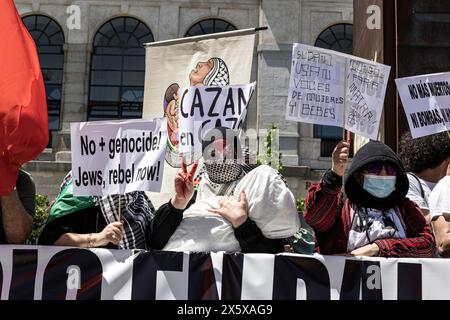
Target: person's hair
[(170, 91), (425, 152)]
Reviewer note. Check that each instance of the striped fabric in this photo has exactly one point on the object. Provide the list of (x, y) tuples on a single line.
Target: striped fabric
[(137, 212)]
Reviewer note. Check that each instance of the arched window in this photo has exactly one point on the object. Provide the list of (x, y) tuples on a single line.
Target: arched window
[(49, 39), (118, 69), (208, 26), (338, 37)]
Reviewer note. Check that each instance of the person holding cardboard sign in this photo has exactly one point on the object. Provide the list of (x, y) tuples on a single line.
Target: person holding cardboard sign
[(236, 207), (376, 219)]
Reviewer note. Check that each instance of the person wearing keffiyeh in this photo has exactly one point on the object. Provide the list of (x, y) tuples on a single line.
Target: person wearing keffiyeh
[(96, 222), (236, 208)]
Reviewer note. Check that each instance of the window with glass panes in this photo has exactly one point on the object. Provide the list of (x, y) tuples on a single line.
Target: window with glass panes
[(49, 39), (117, 74), (208, 26)]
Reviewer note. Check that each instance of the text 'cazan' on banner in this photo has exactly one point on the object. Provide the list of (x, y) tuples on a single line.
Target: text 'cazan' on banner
[(117, 157), (331, 88), (207, 107)]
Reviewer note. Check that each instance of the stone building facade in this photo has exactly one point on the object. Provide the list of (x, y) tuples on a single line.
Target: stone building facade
[(288, 21)]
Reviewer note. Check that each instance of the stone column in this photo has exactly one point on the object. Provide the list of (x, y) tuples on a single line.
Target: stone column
[(168, 21), (274, 59), (75, 82)]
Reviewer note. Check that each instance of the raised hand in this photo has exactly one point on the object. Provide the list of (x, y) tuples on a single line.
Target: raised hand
[(184, 186), (235, 211), (340, 158)]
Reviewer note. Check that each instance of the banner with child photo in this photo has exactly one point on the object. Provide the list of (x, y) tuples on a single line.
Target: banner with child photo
[(220, 59)]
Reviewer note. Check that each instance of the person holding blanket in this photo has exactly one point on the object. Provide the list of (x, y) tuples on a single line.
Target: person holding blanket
[(375, 219), (236, 207)]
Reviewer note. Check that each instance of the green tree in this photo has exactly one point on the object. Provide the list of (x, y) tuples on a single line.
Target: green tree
[(39, 218), (269, 154)]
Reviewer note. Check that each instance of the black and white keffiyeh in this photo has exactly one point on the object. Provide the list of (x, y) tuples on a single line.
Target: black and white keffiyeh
[(223, 172), (218, 75), (137, 212)]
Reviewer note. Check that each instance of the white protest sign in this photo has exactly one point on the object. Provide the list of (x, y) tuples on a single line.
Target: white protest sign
[(316, 87), (331, 88), (426, 100), (365, 92), (117, 157), (204, 108)]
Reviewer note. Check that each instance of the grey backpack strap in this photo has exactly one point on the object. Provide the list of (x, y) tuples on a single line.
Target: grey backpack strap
[(422, 192)]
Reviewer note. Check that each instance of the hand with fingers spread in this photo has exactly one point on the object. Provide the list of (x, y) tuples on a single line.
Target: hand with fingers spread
[(184, 186), (235, 211), (113, 233), (340, 158)]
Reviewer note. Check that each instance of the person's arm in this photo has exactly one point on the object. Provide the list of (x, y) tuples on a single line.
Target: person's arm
[(426, 215), (441, 226), (252, 240), (168, 216), (324, 200), (166, 220), (17, 222), (112, 233), (419, 241)]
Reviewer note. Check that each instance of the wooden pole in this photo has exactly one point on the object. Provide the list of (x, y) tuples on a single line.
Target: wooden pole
[(344, 136)]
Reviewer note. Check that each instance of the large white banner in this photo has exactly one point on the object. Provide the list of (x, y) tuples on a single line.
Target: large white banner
[(426, 100), (117, 157), (331, 88), (210, 60), (205, 108), (62, 273)]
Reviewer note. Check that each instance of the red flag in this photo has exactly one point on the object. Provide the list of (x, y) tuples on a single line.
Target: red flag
[(23, 103)]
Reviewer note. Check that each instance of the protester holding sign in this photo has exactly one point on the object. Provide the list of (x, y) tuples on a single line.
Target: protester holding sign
[(440, 214), (426, 159), (84, 221), (375, 219), (236, 207)]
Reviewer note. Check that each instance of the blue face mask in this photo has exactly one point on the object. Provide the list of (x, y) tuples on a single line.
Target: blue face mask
[(379, 186)]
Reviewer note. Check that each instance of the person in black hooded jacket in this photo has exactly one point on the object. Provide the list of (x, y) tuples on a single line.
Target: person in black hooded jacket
[(375, 219)]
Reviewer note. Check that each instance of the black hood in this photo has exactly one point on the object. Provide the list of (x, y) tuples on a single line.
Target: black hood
[(371, 152)]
